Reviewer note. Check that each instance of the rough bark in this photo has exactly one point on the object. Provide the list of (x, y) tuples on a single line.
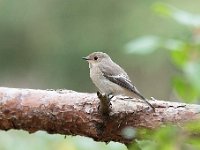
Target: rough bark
[(72, 113)]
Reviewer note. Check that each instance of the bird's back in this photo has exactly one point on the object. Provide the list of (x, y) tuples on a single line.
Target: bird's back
[(113, 69)]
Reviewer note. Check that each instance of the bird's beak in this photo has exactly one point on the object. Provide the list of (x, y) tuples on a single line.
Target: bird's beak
[(85, 58)]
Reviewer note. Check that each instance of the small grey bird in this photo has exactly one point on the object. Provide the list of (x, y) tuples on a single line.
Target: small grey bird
[(110, 78)]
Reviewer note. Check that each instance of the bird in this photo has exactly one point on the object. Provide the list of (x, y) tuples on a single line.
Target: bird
[(110, 78)]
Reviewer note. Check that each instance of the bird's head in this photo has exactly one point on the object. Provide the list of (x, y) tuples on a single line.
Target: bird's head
[(96, 58)]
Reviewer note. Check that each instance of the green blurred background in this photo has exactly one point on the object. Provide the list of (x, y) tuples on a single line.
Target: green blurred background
[(42, 42)]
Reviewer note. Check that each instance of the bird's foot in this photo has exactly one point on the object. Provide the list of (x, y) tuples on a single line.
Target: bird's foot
[(125, 98), (151, 109), (110, 96)]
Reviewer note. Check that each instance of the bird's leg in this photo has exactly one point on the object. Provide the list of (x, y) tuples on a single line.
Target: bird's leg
[(110, 96)]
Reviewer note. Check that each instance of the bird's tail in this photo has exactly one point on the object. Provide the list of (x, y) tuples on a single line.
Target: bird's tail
[(144, 99)]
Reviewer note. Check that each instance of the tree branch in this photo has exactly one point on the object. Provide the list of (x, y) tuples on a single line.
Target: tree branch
[(72, 113)]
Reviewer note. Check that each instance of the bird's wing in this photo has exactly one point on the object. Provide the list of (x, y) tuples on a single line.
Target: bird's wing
[(120, 80), (117, 75), (123, 81)]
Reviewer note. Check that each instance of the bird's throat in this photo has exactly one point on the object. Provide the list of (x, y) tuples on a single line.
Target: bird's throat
[(90, 65)]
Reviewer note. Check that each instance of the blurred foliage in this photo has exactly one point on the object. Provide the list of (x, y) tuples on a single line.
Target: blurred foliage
[(171, 138), (184, 53), (19, 141), (181, 16), (42, 42), (185, 56)]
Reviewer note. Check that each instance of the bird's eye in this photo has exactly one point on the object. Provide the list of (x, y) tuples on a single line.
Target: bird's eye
[(95, 57)]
